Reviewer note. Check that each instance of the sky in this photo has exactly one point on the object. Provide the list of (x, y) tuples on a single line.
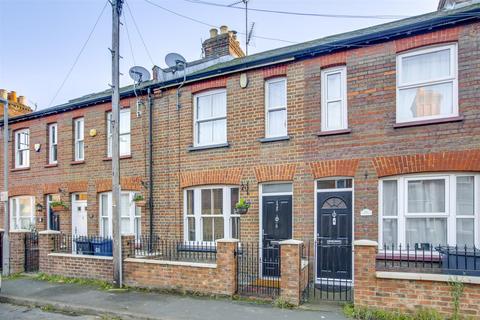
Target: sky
[(41, 39)]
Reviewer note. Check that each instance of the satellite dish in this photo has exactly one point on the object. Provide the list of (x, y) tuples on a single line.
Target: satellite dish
[(174, 60), (139, 74)]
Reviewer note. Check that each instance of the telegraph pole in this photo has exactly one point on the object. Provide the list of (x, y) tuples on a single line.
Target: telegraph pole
[(115, 126), (6, 214)]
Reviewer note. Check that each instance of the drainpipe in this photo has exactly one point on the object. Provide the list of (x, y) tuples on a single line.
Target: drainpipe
[(150, 164)]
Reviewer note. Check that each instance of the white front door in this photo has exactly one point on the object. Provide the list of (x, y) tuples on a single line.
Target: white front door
[(79, 218)]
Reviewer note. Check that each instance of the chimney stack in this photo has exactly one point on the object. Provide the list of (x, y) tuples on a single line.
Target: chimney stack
[(223, 44), (16, 105)]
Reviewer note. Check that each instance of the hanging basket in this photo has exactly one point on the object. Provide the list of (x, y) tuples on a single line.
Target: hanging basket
[(240, 211), (141, 203)]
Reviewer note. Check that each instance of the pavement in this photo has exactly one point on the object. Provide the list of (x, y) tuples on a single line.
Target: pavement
[(10, 312), (84, 300)]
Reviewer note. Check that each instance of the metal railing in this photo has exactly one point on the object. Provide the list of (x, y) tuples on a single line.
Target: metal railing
[(427, 258), (32, 250), (258, 270), (83, 245), (146, 247)]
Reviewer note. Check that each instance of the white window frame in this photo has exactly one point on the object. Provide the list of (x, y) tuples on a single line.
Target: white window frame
[(343, 97), (197, 121), (450, 206), (452, 78), (24, 149), (15, 219), (109, 133), (52, 143), (79, 139), (268, 109), (134, 214), (197, 212)]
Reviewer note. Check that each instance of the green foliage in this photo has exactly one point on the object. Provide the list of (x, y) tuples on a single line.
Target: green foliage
[(456, 291), (242, 204), (282, 303), (88, 282), (58, 204), (138, 197), (364, 313)]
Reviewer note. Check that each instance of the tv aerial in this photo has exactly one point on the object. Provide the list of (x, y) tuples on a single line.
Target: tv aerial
[(139, 74), (175, 61)]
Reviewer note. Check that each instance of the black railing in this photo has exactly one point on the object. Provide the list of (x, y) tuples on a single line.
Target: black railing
[(31, 252), (173, 250), (84, 245), (55, 222), (258, 270), (427, 258)]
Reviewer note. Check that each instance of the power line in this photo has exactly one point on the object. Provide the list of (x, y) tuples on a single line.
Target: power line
[(79, 54), (324, 15), (139, 33), (211, 25), (129, 40)]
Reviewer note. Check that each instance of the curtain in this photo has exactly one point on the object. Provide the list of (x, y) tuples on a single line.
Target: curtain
[(426, 196), (426, 230)]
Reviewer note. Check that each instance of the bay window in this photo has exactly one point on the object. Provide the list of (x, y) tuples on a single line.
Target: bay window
[(124, 132), (334, 99), (427, 84), (22, 212), (130, 215), (209, 213), (52, 143), (430, 209), (210, 114), (22, 148), (276, 108)]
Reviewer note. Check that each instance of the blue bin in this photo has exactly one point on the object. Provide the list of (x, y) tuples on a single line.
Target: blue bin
[(101, 247), (83, 245), (460, 261)]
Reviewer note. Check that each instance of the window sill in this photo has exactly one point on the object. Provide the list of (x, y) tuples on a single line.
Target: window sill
[(121, 158), (428, 122), (51, 165), (20, 169), (213, 146), (73, 163), (274, 139), (334, 132)]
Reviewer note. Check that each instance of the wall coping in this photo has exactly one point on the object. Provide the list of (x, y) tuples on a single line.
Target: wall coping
[(49, 232), (427, 277), (290, 242), (365, 243), (225, 240), (173, 263), (20, 231), (79, 256)]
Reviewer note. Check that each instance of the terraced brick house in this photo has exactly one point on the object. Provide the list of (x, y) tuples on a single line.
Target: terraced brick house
[(368, 135)]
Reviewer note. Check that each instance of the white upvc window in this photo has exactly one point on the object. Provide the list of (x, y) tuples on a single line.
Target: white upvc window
[(430, 209), (22, 212), (276, 108), (334, 99), (52, 143), (124, 132), (427, 84), (79, 133), (209, 213), (210, 118), (130, 215), (22, 148)]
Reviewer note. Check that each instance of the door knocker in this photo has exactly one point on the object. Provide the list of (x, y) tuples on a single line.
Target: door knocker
[(334, 218), (277, 219)]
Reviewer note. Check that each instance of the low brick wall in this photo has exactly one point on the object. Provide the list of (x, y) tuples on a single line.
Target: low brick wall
[(385, 290), (205, 278)]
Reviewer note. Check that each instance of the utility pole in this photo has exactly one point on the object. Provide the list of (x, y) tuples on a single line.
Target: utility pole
[(6, 213), (115, 126)]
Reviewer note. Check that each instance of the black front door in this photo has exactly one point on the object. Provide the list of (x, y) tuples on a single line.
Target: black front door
[(334, 235), (277, 226)]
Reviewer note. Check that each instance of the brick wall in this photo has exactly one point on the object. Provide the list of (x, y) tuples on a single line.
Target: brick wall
[(406, 295), (17, 251)]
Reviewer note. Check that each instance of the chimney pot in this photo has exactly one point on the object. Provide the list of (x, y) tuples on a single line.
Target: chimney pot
[(223, 29), (12, 96), (3, 94), (22, 100), (213, 32)]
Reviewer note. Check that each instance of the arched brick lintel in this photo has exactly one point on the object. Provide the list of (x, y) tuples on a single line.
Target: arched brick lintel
[(281, 172), (468, 160), (229, 176), (334, 168), (126, 183)]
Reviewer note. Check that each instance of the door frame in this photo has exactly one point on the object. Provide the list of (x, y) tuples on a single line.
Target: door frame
[(315, 216), (73, 202), (260, 214)]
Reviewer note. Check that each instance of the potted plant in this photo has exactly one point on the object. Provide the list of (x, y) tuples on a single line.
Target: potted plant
[(242, 206), (139, 200), (58, 205)]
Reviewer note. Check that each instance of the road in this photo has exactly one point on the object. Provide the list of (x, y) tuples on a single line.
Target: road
[(11, 312)]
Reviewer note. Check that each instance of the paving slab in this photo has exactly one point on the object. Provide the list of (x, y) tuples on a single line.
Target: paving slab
[(130, 304)]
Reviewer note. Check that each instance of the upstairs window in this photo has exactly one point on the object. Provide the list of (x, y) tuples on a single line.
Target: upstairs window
[(79, 136), (124, 132), (22, 148), (52, 143), (210, 114), (427, 86), (334, 99), (276, 108)]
